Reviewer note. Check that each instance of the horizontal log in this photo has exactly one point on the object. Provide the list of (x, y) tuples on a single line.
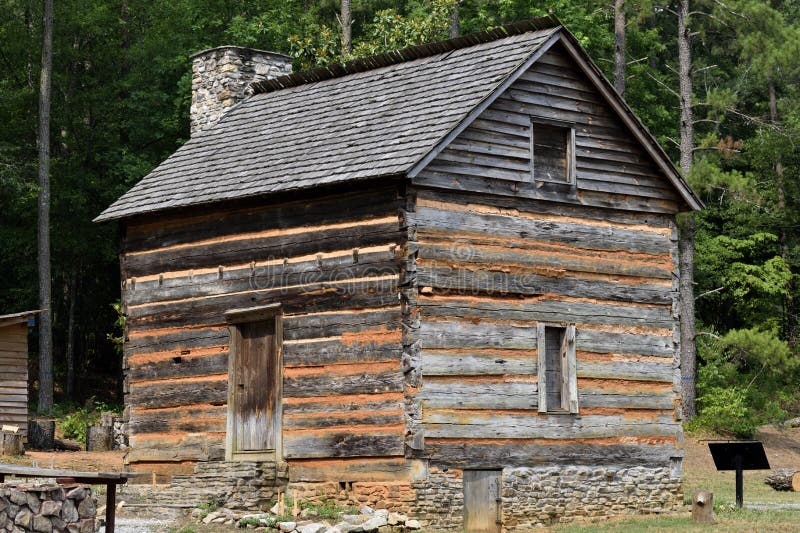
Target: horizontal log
[(360, 417), (357, 205), (170, 393), (482, 424), (245, 250), (178, 366), (392, 469), (581, 235), (264, 276), (310, 326), (188, 338), (466, 334), (437, 363), (190, 419), (329, 384), (635, 370), (336, 352), (547, 311), (501, 283), (345, 403), (496, 455), (497, 257), (477, 395), (346, 443)]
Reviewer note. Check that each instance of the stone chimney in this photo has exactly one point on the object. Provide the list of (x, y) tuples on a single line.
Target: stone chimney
[(221, 78)]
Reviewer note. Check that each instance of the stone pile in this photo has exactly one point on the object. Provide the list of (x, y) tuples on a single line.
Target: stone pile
[(47, 509), (367, 521)]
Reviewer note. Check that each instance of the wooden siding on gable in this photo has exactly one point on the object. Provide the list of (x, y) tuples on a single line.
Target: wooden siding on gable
[(493, 154), (332, 263)]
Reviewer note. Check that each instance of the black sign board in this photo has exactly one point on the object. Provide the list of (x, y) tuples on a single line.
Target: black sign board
[(739, 456)]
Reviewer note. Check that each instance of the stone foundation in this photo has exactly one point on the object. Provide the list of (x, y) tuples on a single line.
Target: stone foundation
[(440, 500), (398, 496), (542, 496), (47, 508), (234, 484)]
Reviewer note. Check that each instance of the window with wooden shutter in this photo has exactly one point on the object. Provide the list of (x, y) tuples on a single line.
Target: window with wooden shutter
[(558, 380), (552, 152)]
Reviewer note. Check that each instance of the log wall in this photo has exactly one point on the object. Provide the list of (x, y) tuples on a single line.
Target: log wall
[(332, 262), (14, 376), (494, 254)]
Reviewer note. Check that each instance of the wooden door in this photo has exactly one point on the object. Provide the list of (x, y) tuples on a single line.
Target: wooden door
[(256, 378), (482, 501)]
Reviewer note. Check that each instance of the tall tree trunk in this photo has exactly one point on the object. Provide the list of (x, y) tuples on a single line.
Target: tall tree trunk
[(347, 28), (46, 317), (780, 185), (619, 46), (72, 295), (687, 225), (455, 21)]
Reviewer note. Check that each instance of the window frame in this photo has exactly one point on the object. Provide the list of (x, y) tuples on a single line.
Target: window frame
[(568, 370), (570, 179)]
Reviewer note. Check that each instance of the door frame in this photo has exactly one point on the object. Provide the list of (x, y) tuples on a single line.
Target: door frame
[(234, 318)]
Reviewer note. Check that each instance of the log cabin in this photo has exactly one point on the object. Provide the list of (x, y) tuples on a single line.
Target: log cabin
[(441, 280)]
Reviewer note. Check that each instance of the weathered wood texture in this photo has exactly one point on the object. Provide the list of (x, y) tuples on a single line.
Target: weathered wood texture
[(493, 155), (332, 262), (491, 266), (14, 376)]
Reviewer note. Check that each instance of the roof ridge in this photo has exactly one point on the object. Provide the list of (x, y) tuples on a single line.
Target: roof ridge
[(402, 55)]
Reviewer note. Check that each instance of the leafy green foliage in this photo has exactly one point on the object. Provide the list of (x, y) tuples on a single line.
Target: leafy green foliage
[(72, 420), (748, 378)]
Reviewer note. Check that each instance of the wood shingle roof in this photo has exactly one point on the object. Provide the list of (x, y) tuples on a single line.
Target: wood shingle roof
[(352, 125)]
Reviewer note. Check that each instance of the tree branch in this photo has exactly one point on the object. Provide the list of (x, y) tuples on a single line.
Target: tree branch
[(718, 289)]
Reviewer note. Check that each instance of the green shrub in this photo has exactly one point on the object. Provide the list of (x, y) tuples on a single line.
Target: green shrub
[(72, 420)]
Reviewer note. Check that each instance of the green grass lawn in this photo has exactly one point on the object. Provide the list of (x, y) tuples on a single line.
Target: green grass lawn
[(723, 485), (727, 520)]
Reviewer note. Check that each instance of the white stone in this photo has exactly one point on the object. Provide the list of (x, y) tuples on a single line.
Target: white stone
[(347, 527), (286, 527), (382, 512), (413, 524), (396, 518), (210, 516), (367, 510), (314, 527), (374, 523)]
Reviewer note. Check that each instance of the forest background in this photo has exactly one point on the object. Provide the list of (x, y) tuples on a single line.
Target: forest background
[(120, 104)]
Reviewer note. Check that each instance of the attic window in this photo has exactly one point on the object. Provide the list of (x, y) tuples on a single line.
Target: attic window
[(552, 152), (558, 383)]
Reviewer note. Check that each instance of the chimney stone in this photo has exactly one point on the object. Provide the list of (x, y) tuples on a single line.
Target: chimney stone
[(221, 78)]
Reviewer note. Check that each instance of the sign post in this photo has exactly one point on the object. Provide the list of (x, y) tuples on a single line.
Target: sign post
[(739, 456)]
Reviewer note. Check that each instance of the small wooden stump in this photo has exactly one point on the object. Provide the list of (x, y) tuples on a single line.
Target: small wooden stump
[(787, 479), (99, 438), (41, 433), (11, 443), (703, 507)]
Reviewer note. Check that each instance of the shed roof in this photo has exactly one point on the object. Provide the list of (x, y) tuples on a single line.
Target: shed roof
[(17, 318), (373, 117)]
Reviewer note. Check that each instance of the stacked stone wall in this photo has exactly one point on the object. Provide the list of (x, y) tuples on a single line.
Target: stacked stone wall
[(534, 497), (241, 485), (47, 509), (395, 496), (440, 500)]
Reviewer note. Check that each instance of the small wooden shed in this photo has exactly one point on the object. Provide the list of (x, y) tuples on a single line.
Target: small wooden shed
[(14, 369)]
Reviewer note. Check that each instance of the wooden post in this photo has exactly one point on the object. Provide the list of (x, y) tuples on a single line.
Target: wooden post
[(111, 503), (703, 507)]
